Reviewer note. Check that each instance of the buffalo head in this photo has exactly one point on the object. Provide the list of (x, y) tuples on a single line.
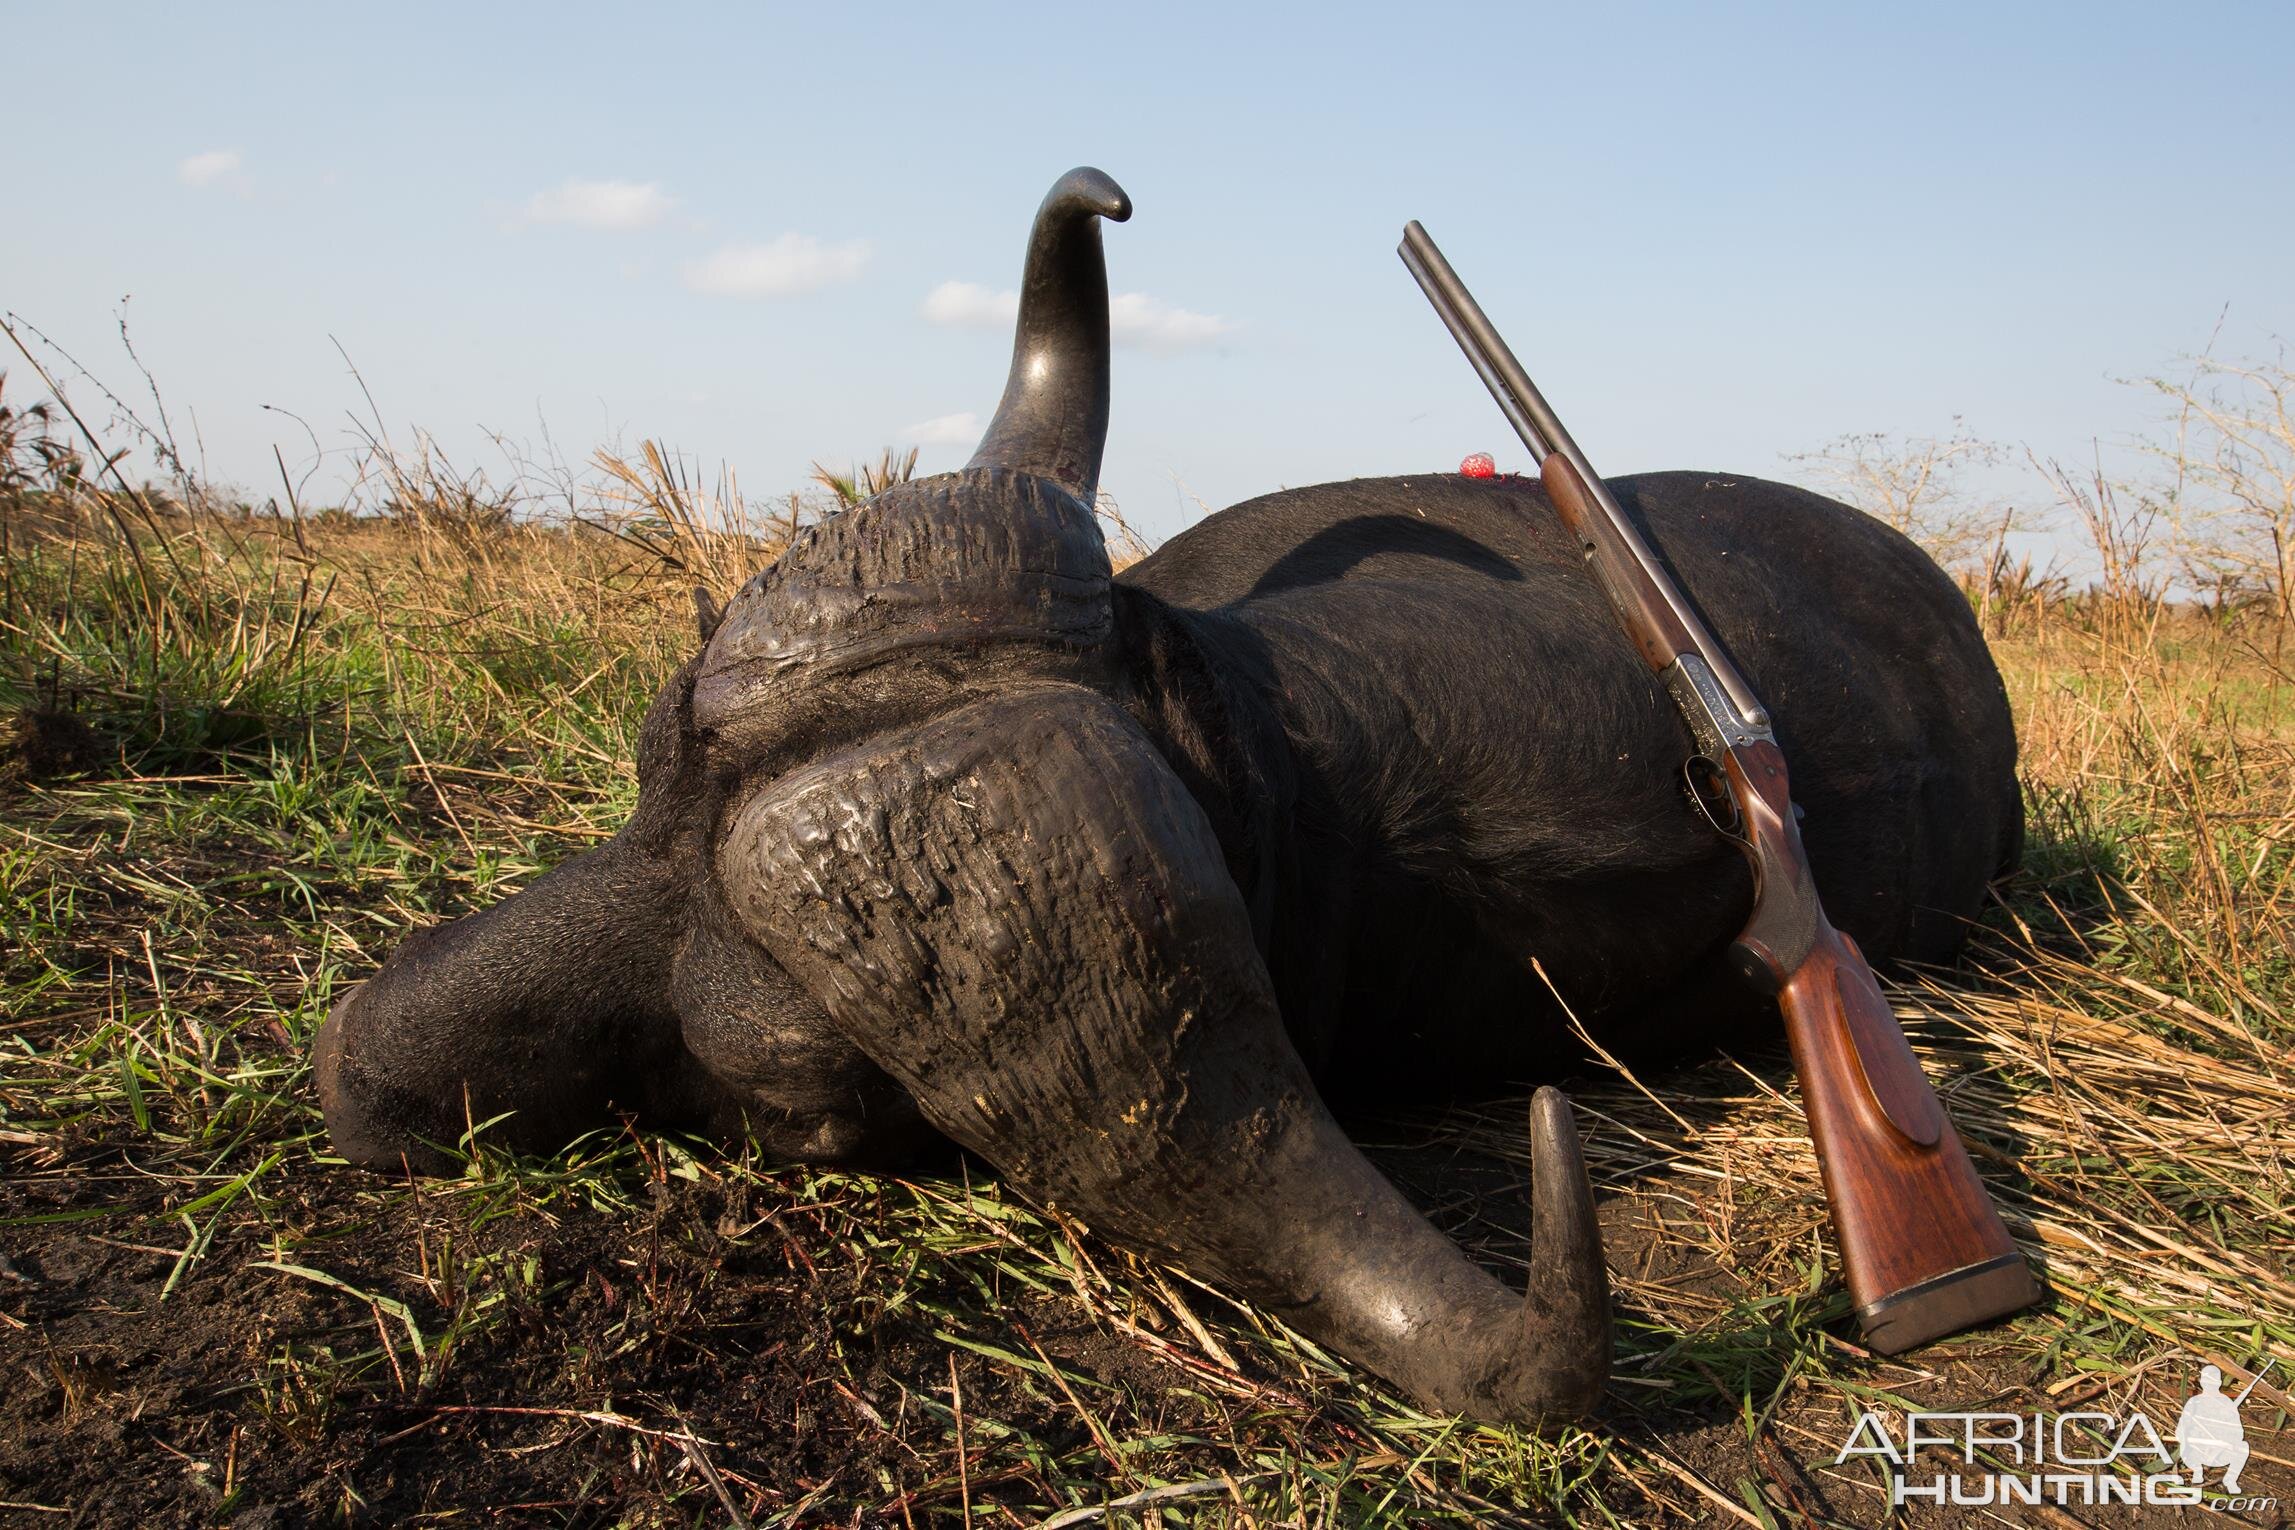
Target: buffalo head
[(905, 860)]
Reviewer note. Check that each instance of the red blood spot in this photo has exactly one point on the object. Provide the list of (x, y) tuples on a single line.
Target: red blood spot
[(1479, 465)]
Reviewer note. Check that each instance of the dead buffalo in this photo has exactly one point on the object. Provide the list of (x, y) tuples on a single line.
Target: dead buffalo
[(1116, 881)]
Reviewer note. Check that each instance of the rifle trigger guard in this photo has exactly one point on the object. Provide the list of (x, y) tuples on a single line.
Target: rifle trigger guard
[(1709, 789)]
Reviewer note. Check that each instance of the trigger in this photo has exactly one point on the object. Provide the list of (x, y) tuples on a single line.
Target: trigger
[(1709, 789)]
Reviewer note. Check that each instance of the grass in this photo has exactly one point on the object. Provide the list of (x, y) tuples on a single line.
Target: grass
[(253, 753)]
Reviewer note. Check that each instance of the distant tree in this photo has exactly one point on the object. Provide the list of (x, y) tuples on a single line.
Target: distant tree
[(2231, 500), (1914, 484)]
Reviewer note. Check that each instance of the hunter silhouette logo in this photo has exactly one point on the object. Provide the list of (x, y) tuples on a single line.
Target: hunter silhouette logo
[(2087, 1457), (2208, 1432)]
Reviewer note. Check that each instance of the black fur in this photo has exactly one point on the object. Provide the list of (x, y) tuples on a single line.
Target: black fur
[(1452, 761)]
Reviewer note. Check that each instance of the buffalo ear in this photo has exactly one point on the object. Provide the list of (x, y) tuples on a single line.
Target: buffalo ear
[(707, 613)]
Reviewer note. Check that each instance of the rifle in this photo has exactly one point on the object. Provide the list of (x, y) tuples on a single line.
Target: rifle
[(1924, 1250)]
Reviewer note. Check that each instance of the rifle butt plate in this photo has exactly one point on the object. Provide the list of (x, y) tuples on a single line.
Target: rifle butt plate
[(1962, 1298)]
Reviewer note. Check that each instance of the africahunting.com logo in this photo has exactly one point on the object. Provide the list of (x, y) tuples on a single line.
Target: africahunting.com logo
[(2086, 1457)]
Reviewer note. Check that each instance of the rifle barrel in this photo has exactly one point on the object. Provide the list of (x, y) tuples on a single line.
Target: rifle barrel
[(1471, 328), (1542, 431), (1518, 397)]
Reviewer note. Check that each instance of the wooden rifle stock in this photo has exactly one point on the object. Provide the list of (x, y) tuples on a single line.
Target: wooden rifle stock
[(1923, 1247), (1925, 1252)]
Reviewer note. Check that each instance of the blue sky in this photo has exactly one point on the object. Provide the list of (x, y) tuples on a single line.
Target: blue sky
[(1714, 235)]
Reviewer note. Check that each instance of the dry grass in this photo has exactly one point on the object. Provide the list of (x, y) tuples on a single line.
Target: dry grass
[(300, 736)]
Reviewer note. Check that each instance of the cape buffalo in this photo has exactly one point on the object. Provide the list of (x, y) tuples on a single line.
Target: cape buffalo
[(1118, 881)]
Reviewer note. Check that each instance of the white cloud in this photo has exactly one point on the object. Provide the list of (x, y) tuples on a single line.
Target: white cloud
[(1134, 318), (790, 264), (209, 168), (968, 305), (601, 204), (944, 430)]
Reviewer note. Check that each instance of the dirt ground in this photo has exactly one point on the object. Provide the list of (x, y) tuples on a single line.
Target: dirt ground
[(720, 1353)]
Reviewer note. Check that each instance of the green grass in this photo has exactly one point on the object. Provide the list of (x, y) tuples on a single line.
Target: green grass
[(307, 744)]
